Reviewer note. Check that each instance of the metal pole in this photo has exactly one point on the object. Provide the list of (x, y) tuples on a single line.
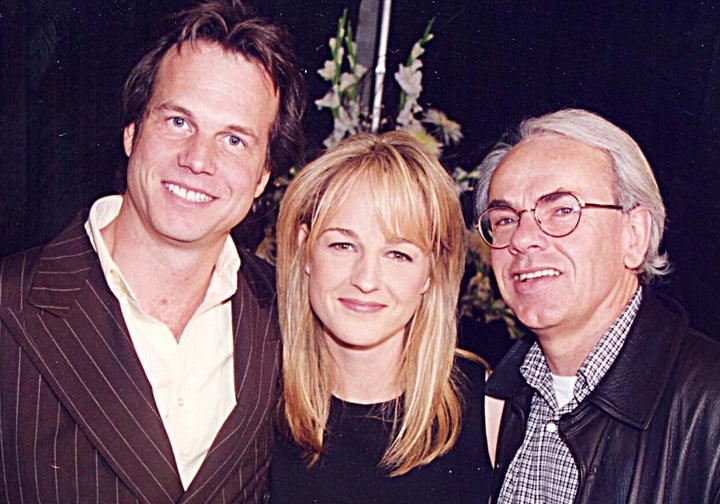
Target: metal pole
[(380, 67), (367, 39)]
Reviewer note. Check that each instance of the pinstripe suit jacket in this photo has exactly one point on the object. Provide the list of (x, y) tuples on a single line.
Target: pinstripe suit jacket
[(78, 422)]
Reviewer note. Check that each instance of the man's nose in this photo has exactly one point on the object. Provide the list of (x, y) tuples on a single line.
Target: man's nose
[(527, 234), (198, 154)]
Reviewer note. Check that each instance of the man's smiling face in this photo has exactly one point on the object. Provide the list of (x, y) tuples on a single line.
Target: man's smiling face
[(199, 157), (575, 283)]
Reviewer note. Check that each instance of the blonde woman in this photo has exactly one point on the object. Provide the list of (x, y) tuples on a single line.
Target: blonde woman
[(378, 405)]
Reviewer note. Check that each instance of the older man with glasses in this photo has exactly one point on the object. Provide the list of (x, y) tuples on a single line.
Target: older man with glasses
[(611, 398)]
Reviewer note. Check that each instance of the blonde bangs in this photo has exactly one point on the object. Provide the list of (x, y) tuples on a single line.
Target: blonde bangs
[(398, 201), (401, 205)]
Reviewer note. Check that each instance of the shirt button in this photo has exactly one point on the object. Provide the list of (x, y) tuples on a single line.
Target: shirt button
[(181, 403), (551, 427)]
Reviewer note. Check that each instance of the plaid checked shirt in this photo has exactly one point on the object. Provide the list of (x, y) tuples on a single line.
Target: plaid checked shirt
[(543, 470)]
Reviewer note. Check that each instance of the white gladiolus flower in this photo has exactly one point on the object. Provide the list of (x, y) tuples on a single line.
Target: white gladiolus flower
[(347, 80), (327, 72), (429, 142), (449, 129), (418, 50), (359, 70), (330, 100), (410, 80)]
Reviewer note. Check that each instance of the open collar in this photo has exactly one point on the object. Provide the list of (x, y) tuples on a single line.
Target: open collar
[(631, 388)]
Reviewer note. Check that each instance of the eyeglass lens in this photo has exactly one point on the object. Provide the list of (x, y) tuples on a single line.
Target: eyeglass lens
[(556, 214)]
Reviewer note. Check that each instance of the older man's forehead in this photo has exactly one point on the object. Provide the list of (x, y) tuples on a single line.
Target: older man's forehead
[(550, 163)]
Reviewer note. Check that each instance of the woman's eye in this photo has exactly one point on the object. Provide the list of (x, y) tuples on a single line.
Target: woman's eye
[(341, 246), (401, 256)]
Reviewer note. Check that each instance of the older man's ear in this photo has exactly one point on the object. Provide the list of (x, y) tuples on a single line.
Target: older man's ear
[(638, 227)]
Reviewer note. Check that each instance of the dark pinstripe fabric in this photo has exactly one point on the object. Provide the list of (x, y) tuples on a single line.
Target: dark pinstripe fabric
[(78, 422)]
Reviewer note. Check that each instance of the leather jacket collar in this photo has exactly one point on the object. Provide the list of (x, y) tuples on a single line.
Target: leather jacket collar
[(626, 392)]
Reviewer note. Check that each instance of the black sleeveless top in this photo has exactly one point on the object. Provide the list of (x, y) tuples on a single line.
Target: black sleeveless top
[(356, 439)]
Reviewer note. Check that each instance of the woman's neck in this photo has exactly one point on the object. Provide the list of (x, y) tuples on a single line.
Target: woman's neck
[(366, 376)]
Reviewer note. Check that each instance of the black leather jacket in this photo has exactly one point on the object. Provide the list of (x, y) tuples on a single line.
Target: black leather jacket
[(650, 431)]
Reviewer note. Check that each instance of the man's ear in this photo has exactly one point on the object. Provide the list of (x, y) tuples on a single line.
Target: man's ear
[(128, 138), (262, 182), (303, 232), (638, 227)]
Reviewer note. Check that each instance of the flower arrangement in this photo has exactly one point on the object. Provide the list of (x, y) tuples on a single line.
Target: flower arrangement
[(431, 127)]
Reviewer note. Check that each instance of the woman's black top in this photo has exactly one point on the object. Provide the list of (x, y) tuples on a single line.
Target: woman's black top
[(356, 439)]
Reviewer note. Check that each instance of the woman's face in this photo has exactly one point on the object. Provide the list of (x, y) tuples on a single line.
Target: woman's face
[(364, 286)]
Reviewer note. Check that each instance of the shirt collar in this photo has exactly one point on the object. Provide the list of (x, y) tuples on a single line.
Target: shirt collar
[(223, 283), (606, 350), (536, 372)]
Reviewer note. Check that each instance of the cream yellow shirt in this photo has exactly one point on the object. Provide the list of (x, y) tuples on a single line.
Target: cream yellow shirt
[(192, 379)]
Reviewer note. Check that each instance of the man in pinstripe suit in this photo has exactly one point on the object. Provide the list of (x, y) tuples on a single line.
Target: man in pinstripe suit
[(139, 350)]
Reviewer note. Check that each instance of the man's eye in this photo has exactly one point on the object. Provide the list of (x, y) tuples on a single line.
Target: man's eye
[(235, 141), (504, 221), (178, 122), (562, 211)]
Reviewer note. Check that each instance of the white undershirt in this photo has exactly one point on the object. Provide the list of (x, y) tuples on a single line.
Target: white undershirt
[(564, 387), (192, 379)]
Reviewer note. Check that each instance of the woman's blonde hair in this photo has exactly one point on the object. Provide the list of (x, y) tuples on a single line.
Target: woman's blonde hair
[(415, 198)]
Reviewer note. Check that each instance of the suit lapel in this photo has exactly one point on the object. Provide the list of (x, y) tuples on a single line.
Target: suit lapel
[(73, 330), (246, 435)]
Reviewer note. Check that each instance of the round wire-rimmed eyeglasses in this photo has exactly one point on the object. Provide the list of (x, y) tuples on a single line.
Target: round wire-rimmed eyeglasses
[(556, 214)]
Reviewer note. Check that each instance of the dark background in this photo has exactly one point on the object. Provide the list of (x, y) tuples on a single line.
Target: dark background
[(650, 67)]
